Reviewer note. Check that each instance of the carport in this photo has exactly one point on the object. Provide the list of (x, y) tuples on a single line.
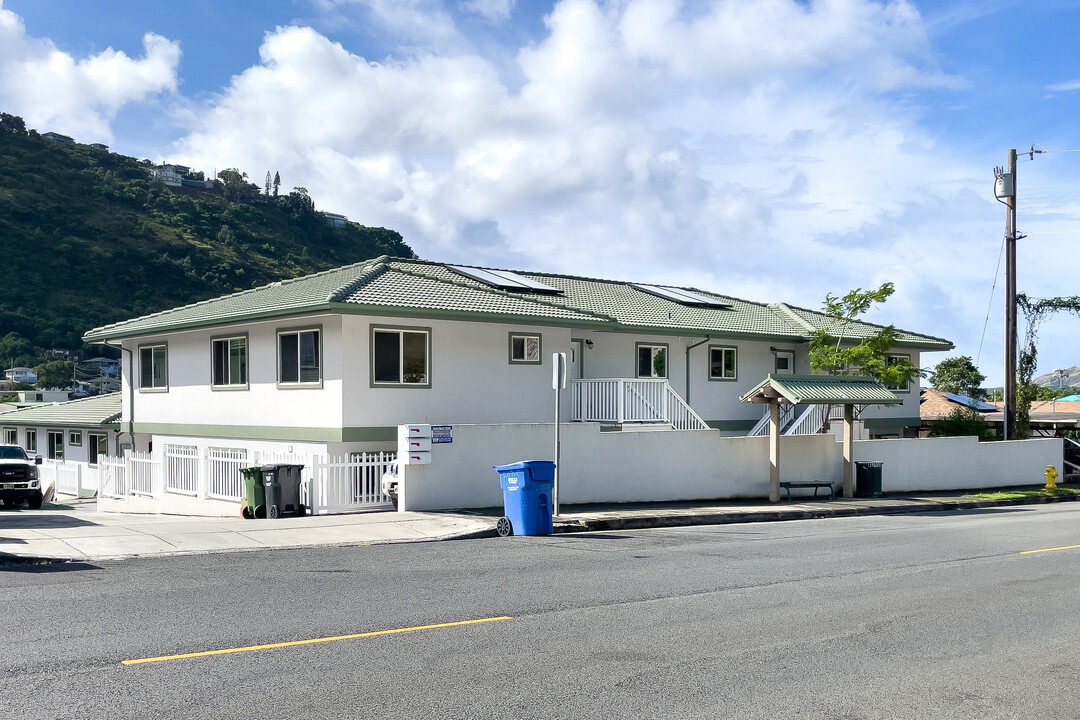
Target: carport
[(816, 390)]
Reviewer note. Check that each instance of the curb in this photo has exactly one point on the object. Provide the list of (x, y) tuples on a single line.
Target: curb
[(781, 515)]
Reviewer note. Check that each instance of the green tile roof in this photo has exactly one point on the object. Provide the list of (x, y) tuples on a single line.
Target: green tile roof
[(99, 410), (821, 390), (393, 286)]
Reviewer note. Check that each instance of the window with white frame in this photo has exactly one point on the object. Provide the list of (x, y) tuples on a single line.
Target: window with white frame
[(229, 362), (11, 436), (98, 447), (651, 361), (525, 349), (56, 444), (723, 363), (896, 360), (75, 438), (153, 367), (31, 441), (299, 360), (401, 356)]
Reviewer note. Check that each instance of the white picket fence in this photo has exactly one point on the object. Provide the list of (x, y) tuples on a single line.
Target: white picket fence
[(329, 484), (77, 479)]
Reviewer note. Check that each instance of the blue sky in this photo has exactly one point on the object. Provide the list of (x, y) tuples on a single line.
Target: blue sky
[(774, 150)]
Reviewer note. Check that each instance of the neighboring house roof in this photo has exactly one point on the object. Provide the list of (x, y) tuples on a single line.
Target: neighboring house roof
[(88, 412), (821, 390), (401, 287), (935, 404)]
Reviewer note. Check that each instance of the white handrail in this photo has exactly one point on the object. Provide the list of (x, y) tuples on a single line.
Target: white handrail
[(632, 400)]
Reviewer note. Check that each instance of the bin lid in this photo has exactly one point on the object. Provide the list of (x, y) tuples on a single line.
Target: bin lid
[(522, 464), (870, 463)]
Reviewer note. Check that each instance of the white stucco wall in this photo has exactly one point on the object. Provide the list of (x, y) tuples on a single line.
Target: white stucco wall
[(700, 465), (613, 467), (472, 379), (190, 399), (960, 463)]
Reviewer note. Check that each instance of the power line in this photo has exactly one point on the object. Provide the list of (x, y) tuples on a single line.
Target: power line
[(990, 305)]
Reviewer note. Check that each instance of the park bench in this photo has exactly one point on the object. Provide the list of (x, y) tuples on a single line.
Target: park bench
[(828, 485)]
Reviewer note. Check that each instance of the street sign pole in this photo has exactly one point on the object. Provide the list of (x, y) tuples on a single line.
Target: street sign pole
[(558, 382)]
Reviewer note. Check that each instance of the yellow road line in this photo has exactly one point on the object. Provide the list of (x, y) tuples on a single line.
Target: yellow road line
[(312, 641), (1067, 547)]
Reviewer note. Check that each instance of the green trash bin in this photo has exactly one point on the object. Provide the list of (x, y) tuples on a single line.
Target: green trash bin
[(868, 479), (254, 505)]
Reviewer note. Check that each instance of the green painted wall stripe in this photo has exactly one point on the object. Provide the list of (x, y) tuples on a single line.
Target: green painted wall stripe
[(731, 425), (266, 432), (891, 422)]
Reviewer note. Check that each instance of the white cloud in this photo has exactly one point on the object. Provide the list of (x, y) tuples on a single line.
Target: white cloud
[(1070, 86), (489, 9), (770, 149), (52, 90)]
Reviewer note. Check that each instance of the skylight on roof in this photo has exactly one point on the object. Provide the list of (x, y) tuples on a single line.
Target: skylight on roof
[(505, 280), (683, 297)]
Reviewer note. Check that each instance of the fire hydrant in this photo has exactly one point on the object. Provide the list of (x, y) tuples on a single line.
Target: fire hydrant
[(1051, 474)]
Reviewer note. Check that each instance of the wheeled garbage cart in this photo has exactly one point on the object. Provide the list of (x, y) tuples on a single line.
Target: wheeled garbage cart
[(281, 483), (527, 501)]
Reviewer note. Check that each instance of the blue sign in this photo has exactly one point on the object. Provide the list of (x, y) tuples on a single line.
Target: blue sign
[(442, 434)]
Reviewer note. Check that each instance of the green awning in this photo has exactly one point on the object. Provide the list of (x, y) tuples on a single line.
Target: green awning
[(821, 390)]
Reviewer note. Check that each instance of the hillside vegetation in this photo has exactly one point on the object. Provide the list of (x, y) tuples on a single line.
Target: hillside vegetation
[(89, 238)]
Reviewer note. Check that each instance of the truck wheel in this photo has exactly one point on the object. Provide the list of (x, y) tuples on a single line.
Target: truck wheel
[(35, 501)]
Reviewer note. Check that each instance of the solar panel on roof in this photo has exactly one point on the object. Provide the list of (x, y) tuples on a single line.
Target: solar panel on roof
[(969, 401), (681, 296), (504, 280)]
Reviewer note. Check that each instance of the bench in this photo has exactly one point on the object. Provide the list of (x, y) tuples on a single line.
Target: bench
[(828, 485)]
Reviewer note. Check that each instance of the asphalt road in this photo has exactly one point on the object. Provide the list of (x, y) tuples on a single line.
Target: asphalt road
[(921, 616)]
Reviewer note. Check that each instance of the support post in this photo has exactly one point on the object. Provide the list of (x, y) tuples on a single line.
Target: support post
[(774, 450), (849, 450), (1010, 305)]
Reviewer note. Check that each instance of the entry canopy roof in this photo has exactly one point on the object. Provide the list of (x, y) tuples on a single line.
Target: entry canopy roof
[(821, 390)]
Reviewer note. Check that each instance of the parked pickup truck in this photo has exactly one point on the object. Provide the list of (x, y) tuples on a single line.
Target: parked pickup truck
[(19, 477)]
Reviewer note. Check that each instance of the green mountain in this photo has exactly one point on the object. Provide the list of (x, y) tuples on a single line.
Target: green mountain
[(89, 237)]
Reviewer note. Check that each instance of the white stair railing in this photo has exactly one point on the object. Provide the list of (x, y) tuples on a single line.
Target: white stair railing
[(623, 400), (787, 412)]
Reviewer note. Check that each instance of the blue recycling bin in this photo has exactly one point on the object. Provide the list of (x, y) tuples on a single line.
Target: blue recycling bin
[(527, 487)]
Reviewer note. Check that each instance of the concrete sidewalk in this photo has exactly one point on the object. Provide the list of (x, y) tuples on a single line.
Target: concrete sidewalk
[(75, 530)]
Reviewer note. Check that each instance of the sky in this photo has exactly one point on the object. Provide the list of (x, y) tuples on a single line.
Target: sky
[(771, 150)]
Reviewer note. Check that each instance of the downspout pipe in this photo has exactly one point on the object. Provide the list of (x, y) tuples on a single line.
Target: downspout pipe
[(688, 349), (131, 388)]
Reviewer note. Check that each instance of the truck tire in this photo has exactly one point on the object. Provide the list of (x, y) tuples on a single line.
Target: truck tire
[(35, 501)]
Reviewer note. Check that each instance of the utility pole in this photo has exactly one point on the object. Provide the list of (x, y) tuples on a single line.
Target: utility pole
[(1006, 188)]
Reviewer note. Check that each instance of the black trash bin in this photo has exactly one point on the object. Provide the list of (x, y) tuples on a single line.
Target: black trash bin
[(868, 479), (282, 485)]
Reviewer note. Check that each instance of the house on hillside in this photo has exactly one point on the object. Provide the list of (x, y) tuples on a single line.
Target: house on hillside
[(57, 137), (171, 175), (334, 362), (21, 375)]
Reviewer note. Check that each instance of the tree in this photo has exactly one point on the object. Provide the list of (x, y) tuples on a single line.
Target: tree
[(236, 185), (836, 354), (54, 374), (962, 422), (12, 124), (959, 375), (1027, 360), (277, 182)]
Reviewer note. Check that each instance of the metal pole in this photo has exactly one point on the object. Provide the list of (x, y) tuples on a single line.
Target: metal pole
[(1009, 417), (558, 382)]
